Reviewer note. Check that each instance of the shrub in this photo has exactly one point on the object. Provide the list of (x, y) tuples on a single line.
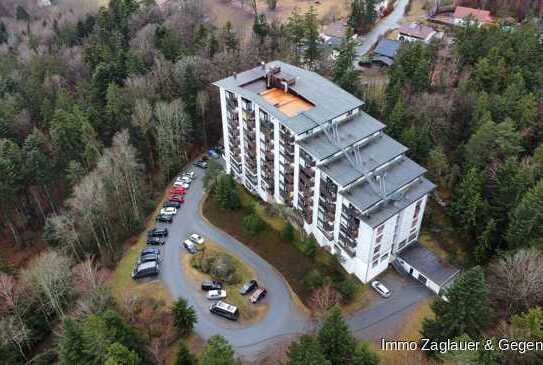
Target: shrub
[(252, 224), (314, 279), (287, 234), (308, 246), (347, 289), (219, 266)]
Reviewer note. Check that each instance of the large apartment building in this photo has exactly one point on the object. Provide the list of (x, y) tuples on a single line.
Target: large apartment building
[(293, 137)]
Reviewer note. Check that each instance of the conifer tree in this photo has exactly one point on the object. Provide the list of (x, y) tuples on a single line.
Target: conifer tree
[(306, 351), (343, 72), (335, 338), (526, 220), (466, 310)]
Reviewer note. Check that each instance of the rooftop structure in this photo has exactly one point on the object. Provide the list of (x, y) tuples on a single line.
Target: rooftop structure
[(415, 32), (386, 51), (294, 138)]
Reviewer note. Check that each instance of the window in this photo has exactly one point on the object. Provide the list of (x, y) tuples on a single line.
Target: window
[(401, 244), (375, 256), (413, 236), (374, 263), (384, 257), (422, 279), (379, 232), (377, 249)]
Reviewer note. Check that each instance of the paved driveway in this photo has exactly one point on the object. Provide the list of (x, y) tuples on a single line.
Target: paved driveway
[(283, 319), (391, 21)]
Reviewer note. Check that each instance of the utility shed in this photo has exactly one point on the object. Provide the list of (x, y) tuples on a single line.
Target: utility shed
[(427, 267)]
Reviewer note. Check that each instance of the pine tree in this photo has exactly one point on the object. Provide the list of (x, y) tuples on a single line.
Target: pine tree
[(218, 352), (363, 355), (226, 193), (306, 351), (295, 31), (343, 72), (184, 317), (526, 220), (311, 36), (466, 310), (4, 35), (469, 206), (335, 338), (184, 356), (229, 38), (118, 354), (70, 344)]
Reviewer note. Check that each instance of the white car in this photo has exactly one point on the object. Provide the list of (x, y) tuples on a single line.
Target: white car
[(216, 294), (168, 211), (190, 174), (185, 185), (196, 238), (380, 288), (178, 183)]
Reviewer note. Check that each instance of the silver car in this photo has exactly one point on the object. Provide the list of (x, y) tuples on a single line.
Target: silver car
[(380, 288)]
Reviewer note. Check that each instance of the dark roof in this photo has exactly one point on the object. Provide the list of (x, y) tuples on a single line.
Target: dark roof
[(429, 264), (360, 126), (399, 173), (375, 152), (387, 61), (329, 100), (387, 209), (387, 48)]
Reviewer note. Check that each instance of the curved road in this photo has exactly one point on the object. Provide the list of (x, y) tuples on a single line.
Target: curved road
[(284, 319)]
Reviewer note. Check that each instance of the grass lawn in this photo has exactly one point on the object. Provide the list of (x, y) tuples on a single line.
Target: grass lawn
[(284, 256), (411, 326), (249, 313), (121, 281)]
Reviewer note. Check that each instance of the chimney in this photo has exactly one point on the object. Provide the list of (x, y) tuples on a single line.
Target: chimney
[(235, 74), (263, 65)]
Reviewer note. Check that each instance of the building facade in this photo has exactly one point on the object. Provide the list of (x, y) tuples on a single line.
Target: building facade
[(292, 137)]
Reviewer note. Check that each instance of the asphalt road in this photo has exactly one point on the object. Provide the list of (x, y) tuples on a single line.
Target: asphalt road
[(283, 319), (391, 21)]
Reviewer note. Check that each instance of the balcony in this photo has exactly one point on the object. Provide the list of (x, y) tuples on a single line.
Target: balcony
[(248, 114)]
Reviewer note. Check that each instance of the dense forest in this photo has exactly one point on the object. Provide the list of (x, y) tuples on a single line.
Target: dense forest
[(100, 108)]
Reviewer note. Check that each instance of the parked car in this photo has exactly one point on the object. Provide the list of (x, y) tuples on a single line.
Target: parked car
[(190, 174), (190, 246), (158, 232), (248, 287), (380, 288), (196, 238), (169, 210), (148, 257), (172, 204), (156, 240), (211, 285), (176, 198), (258, 295), (212, 153), (177, 190), (201, 164), (184, 178), (165, 218), (186, 185), (216, 294), (225, 310), (179, 183), (150, 250), (150, 268)]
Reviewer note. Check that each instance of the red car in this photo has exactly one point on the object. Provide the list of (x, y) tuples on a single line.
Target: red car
[(177, 190), (176, 198)]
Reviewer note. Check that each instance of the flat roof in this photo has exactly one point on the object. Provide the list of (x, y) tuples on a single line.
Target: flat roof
[(398, 174), (388, 209), (360, 126), (429, 264), (286, 102), (329, 100), (372, 154)]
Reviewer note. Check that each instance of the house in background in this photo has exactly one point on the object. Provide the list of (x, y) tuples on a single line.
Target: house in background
[(293, 137), (415, 32), (334, 33), (385, 51), (464, 16)]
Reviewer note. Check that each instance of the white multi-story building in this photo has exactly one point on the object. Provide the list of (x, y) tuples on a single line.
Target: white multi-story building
[(293, 137)]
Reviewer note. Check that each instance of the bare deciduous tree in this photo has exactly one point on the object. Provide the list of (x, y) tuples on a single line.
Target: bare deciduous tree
[(49, 276), (516, 281), (324, 298)]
